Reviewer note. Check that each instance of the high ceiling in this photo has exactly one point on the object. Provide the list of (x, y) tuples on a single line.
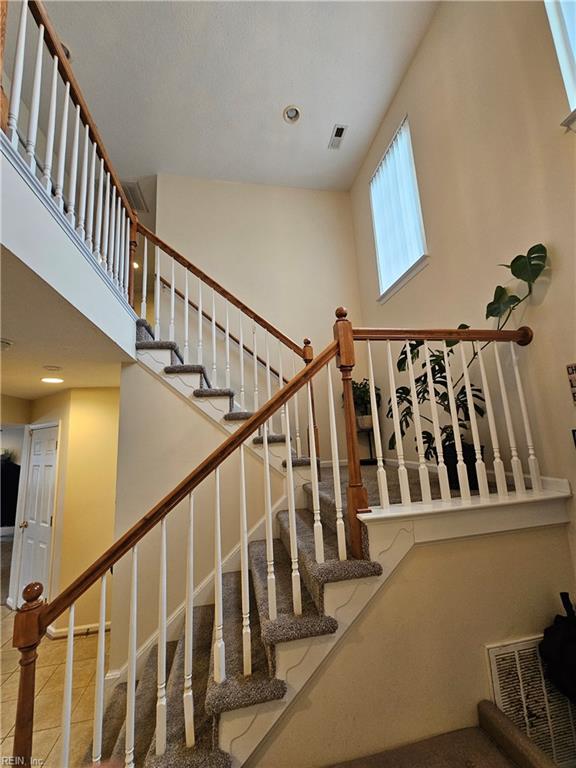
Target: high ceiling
[(47, 330), (198, 88)]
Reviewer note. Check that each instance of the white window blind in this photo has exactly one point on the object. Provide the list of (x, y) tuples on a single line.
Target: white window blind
[(396, 212), (562, 18)]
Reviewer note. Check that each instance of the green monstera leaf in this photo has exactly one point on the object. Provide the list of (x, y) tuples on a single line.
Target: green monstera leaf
[(501, 303), (528, 268)]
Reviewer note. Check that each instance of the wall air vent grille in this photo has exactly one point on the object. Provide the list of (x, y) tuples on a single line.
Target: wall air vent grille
[(524, 694), (135, 196), (337, 136)]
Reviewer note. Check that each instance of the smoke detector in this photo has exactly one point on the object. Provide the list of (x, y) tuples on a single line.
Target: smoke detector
[(291, 114), (337, 135)]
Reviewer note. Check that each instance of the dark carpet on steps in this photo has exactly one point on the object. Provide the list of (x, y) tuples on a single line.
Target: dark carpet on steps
[(469, 748)]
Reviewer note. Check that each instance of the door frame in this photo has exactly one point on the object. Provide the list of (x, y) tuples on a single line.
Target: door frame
[(14, 600)]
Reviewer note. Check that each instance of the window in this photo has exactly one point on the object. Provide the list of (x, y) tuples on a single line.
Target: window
[(396, 214), (562, 18)]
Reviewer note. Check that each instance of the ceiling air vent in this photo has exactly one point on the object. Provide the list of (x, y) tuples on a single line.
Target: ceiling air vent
[(135, 196), (337, 136), (523, 693)]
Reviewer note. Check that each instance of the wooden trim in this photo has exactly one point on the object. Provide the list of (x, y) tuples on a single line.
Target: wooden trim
[(221, 328), (56, 607), (286, 340), (523, 336), (52, 40)]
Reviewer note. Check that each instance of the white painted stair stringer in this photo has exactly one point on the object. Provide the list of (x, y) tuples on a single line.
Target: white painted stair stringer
[(390, 540)]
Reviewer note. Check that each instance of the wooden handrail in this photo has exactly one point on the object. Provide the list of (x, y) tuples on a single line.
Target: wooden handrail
[(52, 40), (64, 600), (222, 329), (523, 336), (219, 289)]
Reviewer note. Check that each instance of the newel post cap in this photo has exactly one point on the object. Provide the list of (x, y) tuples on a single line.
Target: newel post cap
[(307, 351), (527, 335), (32, 592), (342, 313)]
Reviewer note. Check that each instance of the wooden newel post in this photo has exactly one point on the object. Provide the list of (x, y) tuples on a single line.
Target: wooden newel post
[(357, 495), (308, 356), (26, 637), (133, 246)]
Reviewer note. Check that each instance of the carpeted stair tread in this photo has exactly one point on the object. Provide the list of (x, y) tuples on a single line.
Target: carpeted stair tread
[(179, 369), (303, 461), (145, 708), (237, 690), (177, 754), (213, 392), (113, 720), (152, 345), (259, 439), (314, 574), (468, 748), (238, 415), (286, 626), (144, 330)]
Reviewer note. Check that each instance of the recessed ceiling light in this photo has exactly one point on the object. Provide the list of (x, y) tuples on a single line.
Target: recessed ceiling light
[(52, 380), (291, 114), (5, 344), (135, 265)]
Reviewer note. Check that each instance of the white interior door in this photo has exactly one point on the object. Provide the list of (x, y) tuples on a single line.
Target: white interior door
[(35, 523)]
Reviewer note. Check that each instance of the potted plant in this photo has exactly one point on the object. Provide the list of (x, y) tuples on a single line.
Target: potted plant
[(526, 268), (362, 403)]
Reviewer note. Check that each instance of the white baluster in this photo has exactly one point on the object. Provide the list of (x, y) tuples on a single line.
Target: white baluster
[(186, 319), (72, 177), (244, 571), (480, 466), (271, 578), (296, 587), (460, 465), (188, 696), (318, 538), (117, 241), (120, 236), (90, 203), (16, 91), (422, 468), (59, 188), (402, 471), (280, 385), (533, 465), (380, 471), (255, 362), (132, 653), (442, 471), (161, 658), (340, 529), (241, 352), (98, 222), (111, 235), (296, 416), (219, 649), (100, 672), (227, 347), (268, 374), (157, 334), (145, 279), (200, 324), (517, 471), (214, 371), (106, 258), (171, 335), (127, 259), (35, 103), (50, 131), (67, 700), (499, 473), (83, 183)]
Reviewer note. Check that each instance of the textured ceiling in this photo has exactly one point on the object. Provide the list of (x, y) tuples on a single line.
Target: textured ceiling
[(47, 330), (198, 88)]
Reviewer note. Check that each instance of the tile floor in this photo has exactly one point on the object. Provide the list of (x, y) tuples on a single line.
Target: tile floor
[(50, 669)]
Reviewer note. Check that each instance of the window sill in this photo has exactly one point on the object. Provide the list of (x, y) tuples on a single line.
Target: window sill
[(417, 267), (570, 122)]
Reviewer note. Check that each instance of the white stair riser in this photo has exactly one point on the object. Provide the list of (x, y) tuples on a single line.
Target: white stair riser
[(155, 358), (186, 382)]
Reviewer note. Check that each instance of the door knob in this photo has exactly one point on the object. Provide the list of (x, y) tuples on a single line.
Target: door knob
[(23, 524)]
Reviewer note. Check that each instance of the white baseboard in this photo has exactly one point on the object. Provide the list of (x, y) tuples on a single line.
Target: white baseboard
[(81, 629)]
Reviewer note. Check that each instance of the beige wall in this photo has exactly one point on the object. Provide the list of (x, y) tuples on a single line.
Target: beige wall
[(414, 664), (162, 439), (14, 410), (87, 456), (496, 174)]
